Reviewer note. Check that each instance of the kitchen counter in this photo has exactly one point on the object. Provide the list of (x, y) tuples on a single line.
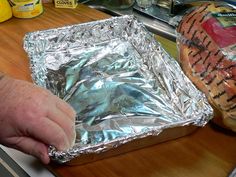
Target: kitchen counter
[(209, 151)]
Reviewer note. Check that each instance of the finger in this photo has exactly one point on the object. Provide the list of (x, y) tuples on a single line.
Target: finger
[(66, 108), (64, 122), (48, 132), (32, 147)]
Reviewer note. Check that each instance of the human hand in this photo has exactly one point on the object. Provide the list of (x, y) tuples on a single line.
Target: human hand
[(31, 118)]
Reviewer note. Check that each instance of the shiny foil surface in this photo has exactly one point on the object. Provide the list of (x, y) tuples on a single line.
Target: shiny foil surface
[(121, 82)]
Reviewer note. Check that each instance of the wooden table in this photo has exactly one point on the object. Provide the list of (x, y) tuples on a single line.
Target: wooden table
[(208, 152)]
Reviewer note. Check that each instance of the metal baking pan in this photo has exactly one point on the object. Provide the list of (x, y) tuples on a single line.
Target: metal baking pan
[(122, 83)]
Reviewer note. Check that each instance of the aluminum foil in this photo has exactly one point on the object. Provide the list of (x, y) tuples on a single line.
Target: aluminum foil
[(121, 82)]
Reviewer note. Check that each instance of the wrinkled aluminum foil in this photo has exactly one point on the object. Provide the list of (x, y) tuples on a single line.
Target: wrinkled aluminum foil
[(119, 79)]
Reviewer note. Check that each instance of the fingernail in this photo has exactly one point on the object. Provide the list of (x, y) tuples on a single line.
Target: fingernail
[(72, 112), (69, 141), (73, 138), (64, 147)]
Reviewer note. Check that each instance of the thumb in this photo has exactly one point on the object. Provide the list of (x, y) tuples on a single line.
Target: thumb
[(32, 147)]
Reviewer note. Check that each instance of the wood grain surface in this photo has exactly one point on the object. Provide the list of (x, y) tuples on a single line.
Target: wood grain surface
[(208, 152), (13, 58)]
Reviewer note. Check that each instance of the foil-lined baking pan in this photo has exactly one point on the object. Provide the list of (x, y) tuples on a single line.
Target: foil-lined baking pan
[(122, 83)]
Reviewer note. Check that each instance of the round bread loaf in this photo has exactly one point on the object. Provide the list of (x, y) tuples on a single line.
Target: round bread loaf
[(207, 54)]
